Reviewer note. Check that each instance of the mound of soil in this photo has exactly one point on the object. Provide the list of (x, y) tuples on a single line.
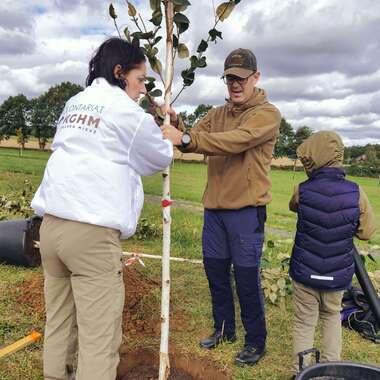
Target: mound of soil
[(140, 299), (141, 317), (143, 364), (148, 372)]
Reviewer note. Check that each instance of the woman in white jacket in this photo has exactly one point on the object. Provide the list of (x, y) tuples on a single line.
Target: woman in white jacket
[(90, 196)]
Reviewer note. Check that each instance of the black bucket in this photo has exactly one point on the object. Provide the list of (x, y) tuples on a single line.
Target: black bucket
[(17, 242), (336, 370)]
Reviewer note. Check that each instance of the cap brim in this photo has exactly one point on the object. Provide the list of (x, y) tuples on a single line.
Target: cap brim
[(239, 72)]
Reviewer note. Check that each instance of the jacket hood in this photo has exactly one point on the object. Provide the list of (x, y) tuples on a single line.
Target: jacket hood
[(322, 149), (259, 96)]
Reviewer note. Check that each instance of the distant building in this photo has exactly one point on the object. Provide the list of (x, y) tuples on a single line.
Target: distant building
[(361, 158)]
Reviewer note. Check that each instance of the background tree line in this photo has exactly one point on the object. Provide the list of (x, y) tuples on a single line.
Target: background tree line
[(287, 142), (35, 117)]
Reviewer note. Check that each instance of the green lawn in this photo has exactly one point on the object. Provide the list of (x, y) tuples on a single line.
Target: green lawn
[(188, 181), (32, 161), (190, 295)]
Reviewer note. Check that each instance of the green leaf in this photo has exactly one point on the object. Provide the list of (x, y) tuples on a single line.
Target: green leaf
[(270, 244), (146, 36), (131, 9), (183, 51), (127, 35), (156, 93), (224, 10), (202, 62), (156, 17), (274, 288), (188, 77), (155, 64), (180, 5), (136, 34), (145, 103), (265, 263), (181, 2), (136, 39), (214, 34), (181, 21), (150, 86), (157, 39), (273, 297), (175, 41), (180, 8), (155, 4), (112, 12), (281, 283), (202, 46), (194, 61)]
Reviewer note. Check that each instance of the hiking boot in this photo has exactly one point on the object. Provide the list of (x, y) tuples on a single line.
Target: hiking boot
[(216, 338), (250, 356)]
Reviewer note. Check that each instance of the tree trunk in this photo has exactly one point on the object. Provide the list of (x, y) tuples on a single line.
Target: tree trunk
[(165, 299)]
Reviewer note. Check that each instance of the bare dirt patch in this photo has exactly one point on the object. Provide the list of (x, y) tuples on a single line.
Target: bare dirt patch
[(140, 300), (143, 365), (141, 318)]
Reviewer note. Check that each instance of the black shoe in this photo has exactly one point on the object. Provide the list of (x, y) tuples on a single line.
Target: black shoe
[(216, 338), (250, 356)]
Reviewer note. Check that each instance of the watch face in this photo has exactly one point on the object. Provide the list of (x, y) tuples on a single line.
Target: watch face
[(186, 138)]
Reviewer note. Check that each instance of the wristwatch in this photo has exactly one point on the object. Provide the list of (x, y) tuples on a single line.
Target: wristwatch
[(186, 139)]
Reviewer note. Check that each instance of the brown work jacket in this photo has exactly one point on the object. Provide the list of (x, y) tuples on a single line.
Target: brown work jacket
[(239, 141)]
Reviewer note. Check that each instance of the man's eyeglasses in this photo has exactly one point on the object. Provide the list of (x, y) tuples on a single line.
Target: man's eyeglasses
[(230, 79)]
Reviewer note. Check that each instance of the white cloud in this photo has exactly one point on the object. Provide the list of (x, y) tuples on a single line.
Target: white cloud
[(319, 59)]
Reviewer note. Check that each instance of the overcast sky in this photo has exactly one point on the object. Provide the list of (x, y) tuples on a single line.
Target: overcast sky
[(319, 59)]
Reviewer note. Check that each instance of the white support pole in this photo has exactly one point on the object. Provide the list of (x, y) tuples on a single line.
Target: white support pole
[(165, 298)]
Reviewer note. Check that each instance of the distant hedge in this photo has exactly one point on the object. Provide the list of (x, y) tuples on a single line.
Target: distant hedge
[(363, 170), (354, 170)]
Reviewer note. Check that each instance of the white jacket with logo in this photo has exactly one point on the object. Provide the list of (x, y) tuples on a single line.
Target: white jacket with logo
[(104, 142)]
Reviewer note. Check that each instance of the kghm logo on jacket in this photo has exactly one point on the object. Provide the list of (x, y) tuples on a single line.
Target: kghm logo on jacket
[(75, 116)]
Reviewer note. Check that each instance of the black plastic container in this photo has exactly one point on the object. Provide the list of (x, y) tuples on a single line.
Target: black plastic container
[(17, 242), (336, 370), (340, 371)]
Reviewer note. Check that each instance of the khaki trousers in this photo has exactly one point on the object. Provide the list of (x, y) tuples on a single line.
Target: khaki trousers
[(84, 296), (309, 305)]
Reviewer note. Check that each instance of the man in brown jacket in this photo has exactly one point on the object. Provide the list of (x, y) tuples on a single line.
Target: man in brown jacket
[(239, 138)]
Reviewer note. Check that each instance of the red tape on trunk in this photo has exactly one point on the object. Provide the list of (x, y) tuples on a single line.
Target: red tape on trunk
[(166, 203)]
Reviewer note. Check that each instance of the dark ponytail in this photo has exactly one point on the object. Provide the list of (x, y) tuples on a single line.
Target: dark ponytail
[(110, 53)]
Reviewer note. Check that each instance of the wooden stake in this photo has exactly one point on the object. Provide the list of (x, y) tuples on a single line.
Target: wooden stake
[(21, 343), (158, 257)]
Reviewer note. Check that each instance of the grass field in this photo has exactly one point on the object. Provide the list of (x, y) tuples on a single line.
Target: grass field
[(189, 286), (188, 181)]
